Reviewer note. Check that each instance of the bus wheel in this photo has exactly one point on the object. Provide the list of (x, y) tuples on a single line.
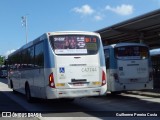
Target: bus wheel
[(28, 94), (67, 100), (11, 84), (116, 93)]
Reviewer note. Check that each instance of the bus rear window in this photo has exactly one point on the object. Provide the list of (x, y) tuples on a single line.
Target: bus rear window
[(131, 52), (74, 44)]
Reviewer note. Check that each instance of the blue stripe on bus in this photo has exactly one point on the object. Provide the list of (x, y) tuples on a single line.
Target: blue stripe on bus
[(113, 63)]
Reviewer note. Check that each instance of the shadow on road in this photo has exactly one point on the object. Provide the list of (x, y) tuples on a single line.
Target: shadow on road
[(8, 105)]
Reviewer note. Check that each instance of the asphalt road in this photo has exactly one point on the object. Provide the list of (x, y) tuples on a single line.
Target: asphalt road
[(124, 106)]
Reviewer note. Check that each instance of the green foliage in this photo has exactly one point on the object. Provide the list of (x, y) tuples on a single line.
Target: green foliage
[(2, 60)]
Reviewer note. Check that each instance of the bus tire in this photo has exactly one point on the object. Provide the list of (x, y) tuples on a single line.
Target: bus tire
[(28, 93), (116, 93), (11, 84), (68, 100)]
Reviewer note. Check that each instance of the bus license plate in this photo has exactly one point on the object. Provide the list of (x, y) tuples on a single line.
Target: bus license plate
[(78, 84)]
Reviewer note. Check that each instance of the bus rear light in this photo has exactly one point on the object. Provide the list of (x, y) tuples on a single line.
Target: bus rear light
[(103, 78), (51, 80)]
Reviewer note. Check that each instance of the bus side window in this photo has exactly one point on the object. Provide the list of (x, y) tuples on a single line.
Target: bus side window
[(39, 55), (106, 52)]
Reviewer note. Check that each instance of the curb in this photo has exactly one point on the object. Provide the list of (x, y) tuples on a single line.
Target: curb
[(148, 94)]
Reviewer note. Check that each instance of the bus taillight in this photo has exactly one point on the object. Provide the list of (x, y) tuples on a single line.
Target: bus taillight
[(103, 78), (51, 80)]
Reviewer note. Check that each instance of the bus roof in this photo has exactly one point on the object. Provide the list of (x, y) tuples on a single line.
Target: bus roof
[(124, 44), (73, 32), (53, 33), (155, 52)]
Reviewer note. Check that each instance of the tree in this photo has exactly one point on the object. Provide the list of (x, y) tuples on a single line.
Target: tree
[(2, 60)]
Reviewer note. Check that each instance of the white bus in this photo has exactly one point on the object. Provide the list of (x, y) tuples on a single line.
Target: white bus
[(155, 58), (56, 65), (128, 67)]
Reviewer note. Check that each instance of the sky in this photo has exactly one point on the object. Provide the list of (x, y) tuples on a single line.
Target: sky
[(63, 15)]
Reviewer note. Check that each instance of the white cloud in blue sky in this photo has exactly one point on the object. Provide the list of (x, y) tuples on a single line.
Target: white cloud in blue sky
[(121, 10), (98, 17), (84, 10), (9, 52)]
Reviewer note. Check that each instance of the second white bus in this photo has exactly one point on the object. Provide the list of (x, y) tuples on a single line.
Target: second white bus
[(59, 65), (155, 58), (128, 67)]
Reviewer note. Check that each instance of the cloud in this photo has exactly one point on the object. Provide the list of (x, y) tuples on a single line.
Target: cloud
[(8, 52), (98, 17), (121, 10), (84, 10)]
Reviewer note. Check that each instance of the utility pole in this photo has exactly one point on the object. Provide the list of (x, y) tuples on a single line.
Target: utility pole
[(24, 23)]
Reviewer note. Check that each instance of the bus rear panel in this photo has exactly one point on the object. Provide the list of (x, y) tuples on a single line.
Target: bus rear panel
[(129, 67), (78, 71)]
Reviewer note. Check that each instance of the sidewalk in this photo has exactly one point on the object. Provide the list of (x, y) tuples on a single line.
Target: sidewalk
[(149, 93)]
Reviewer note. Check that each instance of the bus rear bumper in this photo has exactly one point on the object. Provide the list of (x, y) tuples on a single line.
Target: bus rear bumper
[(133, 86), (74, 93)]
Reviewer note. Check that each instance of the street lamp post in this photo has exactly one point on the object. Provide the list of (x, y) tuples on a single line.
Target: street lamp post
[(24, 23)]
